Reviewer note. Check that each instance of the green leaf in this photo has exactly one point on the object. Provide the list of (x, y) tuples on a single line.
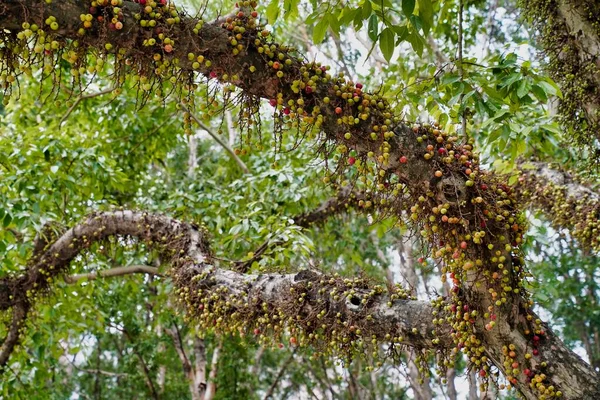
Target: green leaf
[(273, 11), (521, 146), (553, 128), (320, 30), (367, 9), (551, 89), (408, 6), (416, 42), (373, 28), (401, 32), (540, 93), (348, 15), (7, 220), (523, 88), (450, 78), (334, 23), (416, 21), (386, 43), (426, 14), (290, 8)]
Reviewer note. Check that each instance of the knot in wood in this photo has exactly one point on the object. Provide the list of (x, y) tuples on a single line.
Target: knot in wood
[(451, 190)]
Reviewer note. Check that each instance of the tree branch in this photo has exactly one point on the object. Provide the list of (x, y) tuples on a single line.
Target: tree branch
[(345, 199), (188, 370), (570, 39), (406, 322), (217, 139), (282, 369), (80, 99), (211, 386), (144, 366), (118, 271), (567, 203), (19, 316)]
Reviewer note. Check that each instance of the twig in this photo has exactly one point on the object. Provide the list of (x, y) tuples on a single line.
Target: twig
[(195, 383), (149, 134), (217, 139), (145, 368), (16, 375), (286, 363), (101, 372), (83, 97), (118, 271), (461, 71), (97, 387), (332, 206)]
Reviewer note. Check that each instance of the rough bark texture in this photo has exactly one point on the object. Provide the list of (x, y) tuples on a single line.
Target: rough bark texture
[(193, 272), (470, 217), (569, 33), (566, 202)]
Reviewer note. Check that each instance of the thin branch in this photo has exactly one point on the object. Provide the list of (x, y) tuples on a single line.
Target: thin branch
[(324, 385), (461, 71), (118, 271), (148, 135), (144, 366), (188, 370), (211, 386), (285, 365), (345, 199), (83, 97), (325, 373), (340, 53), (101, 372), (217, 139), (176, 336)]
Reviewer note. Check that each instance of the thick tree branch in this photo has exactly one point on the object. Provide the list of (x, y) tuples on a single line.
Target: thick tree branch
[(570, 38), (346, 198), (201, 286), (19, 316), (567, 203)]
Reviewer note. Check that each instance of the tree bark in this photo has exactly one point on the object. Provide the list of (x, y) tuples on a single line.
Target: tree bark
[(566, 202), (570, 38)]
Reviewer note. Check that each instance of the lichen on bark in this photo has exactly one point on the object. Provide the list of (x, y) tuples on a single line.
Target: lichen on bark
[(568, 32)]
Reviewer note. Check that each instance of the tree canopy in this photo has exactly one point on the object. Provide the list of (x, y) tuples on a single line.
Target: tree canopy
[(314, 199)]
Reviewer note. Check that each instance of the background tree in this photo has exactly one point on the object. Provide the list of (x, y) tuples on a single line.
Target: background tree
[(101, 136)]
